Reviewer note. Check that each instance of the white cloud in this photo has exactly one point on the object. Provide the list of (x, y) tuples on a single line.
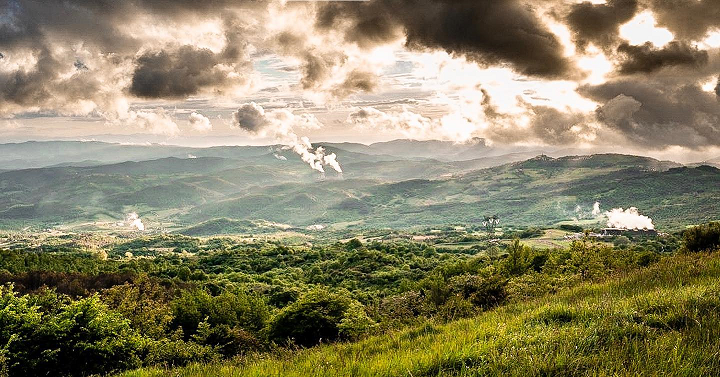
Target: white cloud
[(157, 122), (199, 122)]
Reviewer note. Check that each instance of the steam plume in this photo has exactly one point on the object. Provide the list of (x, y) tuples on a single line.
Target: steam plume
[(133, 220), (596, 209), (280, 124), (628, 219)]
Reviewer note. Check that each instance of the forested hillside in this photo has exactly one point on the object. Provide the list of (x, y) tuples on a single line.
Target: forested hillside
[(375, 191)]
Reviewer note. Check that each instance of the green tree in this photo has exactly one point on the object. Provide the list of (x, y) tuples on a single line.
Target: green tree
[(518, 258), (79, 338), (316, 317), (702, 238)]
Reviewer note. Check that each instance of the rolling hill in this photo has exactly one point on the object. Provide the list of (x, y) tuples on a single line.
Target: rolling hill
[(376, 189)]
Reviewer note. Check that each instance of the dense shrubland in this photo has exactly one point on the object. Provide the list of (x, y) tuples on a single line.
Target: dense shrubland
[(72, 312)]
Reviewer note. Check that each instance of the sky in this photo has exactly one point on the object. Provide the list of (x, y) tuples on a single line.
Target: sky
[(631, 76)]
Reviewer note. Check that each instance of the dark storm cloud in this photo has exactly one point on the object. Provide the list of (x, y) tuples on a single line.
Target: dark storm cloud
[(29, 23), (250, 117), (687, 19), (356, 81), (646, 58), (657, 113), (178, 73), (50, 30), (40, 84), (484, 31), (547, 125), (366, 23), (599, 23), (317, 68), (27, 87), (553, 126)]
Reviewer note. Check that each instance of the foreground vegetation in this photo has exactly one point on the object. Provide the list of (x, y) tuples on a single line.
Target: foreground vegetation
[(664, 320), (105, 307)]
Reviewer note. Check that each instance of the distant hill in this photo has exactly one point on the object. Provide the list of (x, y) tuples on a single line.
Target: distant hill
[(436, 149), (36, 154), (205, 194)]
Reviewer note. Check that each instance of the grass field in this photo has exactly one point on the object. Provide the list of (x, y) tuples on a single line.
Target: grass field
[(663, 320)]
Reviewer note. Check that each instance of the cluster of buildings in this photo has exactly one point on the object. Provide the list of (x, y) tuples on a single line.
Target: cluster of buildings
[(614, 232)]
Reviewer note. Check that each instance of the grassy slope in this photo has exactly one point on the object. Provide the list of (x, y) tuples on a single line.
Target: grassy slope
[(664, 320)]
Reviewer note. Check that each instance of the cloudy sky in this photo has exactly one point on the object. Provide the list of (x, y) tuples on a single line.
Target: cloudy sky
[(633, 75)]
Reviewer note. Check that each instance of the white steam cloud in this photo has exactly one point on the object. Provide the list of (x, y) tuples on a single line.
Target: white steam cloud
[(133, 220), (628, 219), (596, 209), (280, 124)]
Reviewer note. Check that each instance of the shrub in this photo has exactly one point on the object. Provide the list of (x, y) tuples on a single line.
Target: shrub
[(353, 244), (80, 338), (482, 292), (317, 317), (355, 322), (456, 307), (518, 258), (144, 303), (177, 352), (571, 228), (702, 238), (230, 321), (232, 309)]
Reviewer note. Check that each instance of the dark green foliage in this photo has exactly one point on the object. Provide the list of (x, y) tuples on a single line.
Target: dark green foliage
[(571, 228), (145, 303), (481, 292), (73, 284), (316, 317), (231, 320), (518, 258), (353, 244), (77, 338), (702, 238)]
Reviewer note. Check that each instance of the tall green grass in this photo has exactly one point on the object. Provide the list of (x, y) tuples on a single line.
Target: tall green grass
[(661, 321)]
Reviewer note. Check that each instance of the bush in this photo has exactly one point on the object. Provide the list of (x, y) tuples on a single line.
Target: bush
[(176, 352), (455, 308), (702, 238), (80, 338), (232, 309), (230, 321), (145, 303), (621, 241), (318, 316), (518, 258), (482, 292), (355, 322), (571, 228)]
